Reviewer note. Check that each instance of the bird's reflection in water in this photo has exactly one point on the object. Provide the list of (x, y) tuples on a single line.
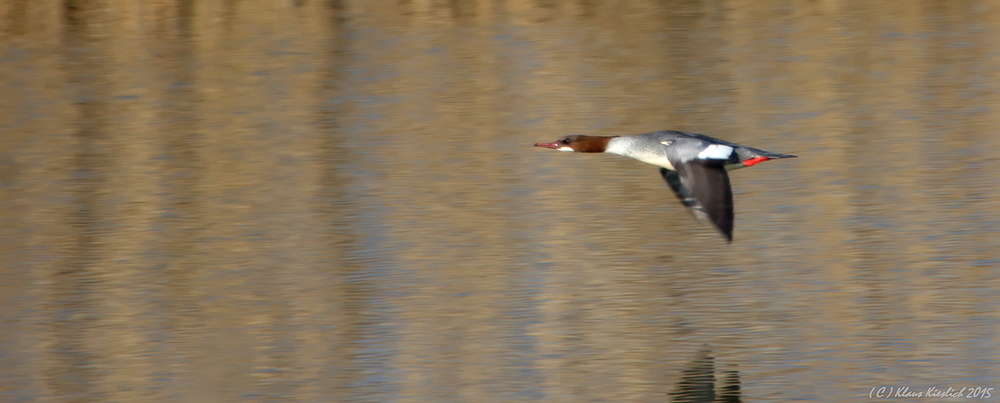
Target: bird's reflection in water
[(697, 383)]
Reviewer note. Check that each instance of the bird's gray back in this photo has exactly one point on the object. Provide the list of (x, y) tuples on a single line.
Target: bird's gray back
[(743, 151)]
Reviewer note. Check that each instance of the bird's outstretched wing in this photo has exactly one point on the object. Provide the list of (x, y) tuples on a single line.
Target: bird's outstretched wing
[(703, 185)]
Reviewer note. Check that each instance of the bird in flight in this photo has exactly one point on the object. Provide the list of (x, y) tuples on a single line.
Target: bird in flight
[(694, 165)]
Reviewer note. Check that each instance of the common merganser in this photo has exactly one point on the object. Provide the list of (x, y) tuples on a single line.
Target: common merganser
[(694, 165)]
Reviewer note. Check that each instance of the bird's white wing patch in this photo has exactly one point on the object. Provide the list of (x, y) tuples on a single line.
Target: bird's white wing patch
[(716, 152)]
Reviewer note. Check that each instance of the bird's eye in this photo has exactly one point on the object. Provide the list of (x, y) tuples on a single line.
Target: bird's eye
[(564, 141)]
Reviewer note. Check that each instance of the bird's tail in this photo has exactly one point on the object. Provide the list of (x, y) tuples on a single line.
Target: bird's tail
[(751, 156), (774, 156)]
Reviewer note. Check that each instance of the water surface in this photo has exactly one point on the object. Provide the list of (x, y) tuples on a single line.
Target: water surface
[(254, 201)]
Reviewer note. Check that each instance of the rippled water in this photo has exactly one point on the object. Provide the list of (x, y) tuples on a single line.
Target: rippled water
[(338, 201)]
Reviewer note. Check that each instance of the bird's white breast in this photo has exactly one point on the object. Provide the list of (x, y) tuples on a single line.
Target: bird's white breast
[(627, 147)]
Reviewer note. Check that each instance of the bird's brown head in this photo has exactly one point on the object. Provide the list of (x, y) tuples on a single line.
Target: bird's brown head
[(580, 144)]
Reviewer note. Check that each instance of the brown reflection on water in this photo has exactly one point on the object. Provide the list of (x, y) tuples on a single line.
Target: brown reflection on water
[(339, 201)]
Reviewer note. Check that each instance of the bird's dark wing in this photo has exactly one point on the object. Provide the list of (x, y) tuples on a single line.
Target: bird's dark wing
[(703, 185)]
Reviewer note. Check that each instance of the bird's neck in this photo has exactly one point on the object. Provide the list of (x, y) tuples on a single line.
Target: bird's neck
[(593, 144)]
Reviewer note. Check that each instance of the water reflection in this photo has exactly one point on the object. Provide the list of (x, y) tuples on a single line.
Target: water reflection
[(337, 200), (697, 384)]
